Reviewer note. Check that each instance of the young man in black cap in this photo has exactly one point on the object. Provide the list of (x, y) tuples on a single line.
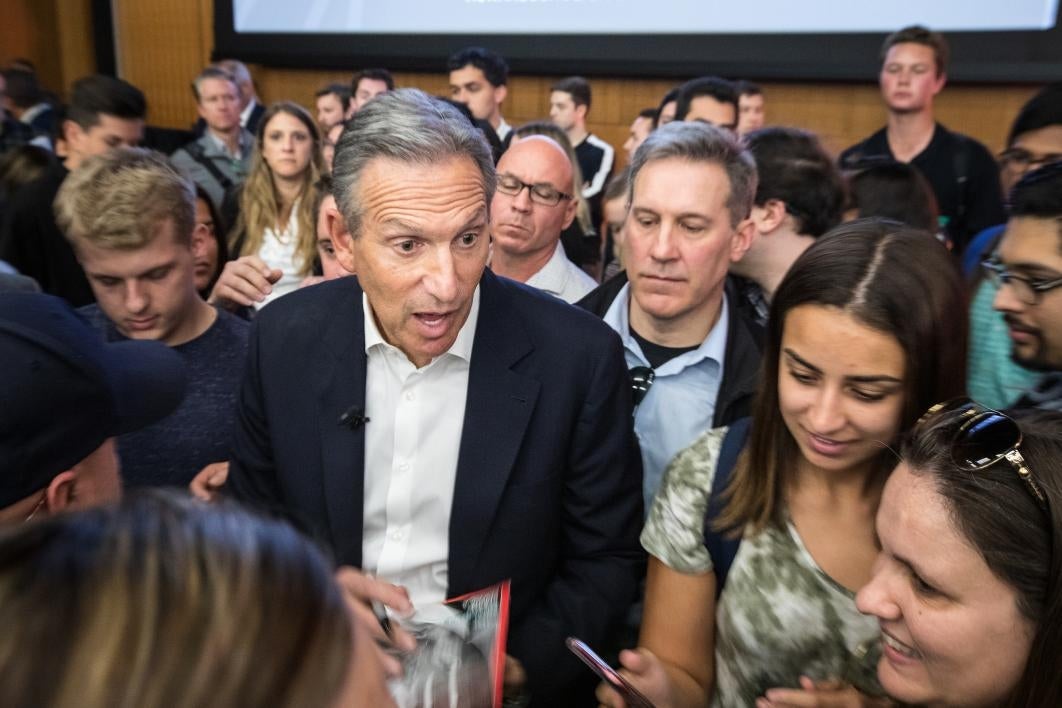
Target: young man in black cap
[(66, 395)]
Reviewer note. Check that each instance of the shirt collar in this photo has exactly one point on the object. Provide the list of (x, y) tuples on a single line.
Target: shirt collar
[(713, 347), (503, 129), (461, 348), (245, 114), (553, 277)]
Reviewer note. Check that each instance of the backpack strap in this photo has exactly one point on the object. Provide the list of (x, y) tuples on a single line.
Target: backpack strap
[(195, 151), (961, 159), (720, 546)]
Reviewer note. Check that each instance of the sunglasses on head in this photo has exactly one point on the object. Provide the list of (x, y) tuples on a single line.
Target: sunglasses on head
[(984, 437)]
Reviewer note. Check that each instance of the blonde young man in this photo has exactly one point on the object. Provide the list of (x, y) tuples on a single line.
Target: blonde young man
[(130, 217)]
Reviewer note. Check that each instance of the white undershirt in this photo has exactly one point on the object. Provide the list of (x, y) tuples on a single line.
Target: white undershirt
[(278, 251), (411, 445)]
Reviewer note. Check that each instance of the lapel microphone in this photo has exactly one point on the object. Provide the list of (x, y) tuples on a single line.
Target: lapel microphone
[(353, 417)]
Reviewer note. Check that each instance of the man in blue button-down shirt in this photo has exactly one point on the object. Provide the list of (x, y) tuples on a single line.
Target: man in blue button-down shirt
[(691, 191)]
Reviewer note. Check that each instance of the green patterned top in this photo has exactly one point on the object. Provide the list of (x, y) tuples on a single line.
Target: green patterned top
[(779, 616)]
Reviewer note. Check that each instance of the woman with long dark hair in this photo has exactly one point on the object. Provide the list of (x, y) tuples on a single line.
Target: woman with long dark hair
[(864, 333)]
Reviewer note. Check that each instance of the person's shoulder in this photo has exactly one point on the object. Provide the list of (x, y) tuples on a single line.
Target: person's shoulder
[(309, 309), (229, 325), (549, 318), (961, 141), (598, 143), (873, 145), (598, 300)]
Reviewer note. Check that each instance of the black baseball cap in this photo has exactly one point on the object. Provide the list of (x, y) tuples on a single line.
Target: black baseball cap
[(64, 390)]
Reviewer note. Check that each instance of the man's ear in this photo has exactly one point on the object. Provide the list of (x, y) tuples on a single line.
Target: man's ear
[(61, 492), (71, 133), (342, 240), (570, 210), (581, 110), (768, 216), (500, 94), (200, 234), (942, 79), (744, 233)]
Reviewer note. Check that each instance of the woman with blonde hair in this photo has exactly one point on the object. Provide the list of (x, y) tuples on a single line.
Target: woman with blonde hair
[(274, 235), (165, 602)]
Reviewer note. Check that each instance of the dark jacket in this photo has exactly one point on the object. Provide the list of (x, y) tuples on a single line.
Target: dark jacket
[(548, 486), (744, 346)]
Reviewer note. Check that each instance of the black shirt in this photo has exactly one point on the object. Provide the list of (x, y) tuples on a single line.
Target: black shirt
[(968, 202), (657, 354)]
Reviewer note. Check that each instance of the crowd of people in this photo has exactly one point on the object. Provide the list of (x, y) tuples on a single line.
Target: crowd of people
[(709, 413)]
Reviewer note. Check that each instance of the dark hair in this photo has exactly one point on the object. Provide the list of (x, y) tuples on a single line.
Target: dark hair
[(719, 89), (340, 91), (670, 96), (917, 34), (21, 165), (1042, 110), (894, 190), (1039, 193), (1020, 542), (22, 88), (212, 72), (649, 113), (375, 75), (893, 279), (493, 66), (747, 88), (577, 87), (93, 96), (794, 168)]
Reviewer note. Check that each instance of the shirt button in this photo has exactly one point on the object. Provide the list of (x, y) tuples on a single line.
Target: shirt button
[(403, 467), (396, 535), (410, 395)]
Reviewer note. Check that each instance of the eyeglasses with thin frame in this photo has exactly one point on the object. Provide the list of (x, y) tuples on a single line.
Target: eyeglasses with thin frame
[(541, 193), (982, 438), (1028, 290)]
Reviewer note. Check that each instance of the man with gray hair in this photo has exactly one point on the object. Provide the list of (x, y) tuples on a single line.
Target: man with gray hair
[(441, 427), (690, 342), (219, 159)]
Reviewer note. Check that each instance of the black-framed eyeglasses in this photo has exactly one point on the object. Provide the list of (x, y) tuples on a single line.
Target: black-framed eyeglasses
[(1022, 159), (983, 438), (1028, 290), (541, 193), (642, 378)]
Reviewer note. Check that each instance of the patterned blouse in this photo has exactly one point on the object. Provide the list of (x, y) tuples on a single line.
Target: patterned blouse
[(779, 616)]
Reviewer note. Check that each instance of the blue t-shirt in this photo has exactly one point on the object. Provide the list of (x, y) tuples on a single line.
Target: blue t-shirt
[(199, 432)]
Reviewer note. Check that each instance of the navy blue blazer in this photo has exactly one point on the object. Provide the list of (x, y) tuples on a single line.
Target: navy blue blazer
[(548, 487)]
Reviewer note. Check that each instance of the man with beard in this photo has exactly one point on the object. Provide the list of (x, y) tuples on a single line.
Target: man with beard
[(1028, 266)]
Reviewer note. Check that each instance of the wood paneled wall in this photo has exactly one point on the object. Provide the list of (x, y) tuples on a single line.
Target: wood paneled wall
[(56, 35), (162, 44)]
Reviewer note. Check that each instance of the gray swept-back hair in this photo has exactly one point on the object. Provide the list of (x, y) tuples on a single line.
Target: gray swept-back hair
[(406, 125), (700, 142)]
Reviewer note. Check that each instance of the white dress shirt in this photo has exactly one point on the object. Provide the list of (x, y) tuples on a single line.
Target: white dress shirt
[(411, 446), (562, 278)]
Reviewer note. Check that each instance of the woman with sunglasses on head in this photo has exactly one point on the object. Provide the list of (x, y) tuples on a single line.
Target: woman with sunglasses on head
[(864, 333), (273, 236), (968, 586)]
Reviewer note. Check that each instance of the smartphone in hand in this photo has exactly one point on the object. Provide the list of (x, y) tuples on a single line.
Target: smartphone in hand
[(631, 695)]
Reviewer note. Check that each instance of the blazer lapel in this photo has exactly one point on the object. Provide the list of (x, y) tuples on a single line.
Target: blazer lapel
[(497, 411), (341, 387)]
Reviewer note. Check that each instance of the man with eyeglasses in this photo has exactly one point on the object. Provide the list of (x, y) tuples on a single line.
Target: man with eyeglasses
[(1035, 140), (529, 211), (914, 63), (1028, 268)]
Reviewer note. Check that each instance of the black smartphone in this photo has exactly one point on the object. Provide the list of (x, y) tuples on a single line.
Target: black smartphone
[(609, 675)]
